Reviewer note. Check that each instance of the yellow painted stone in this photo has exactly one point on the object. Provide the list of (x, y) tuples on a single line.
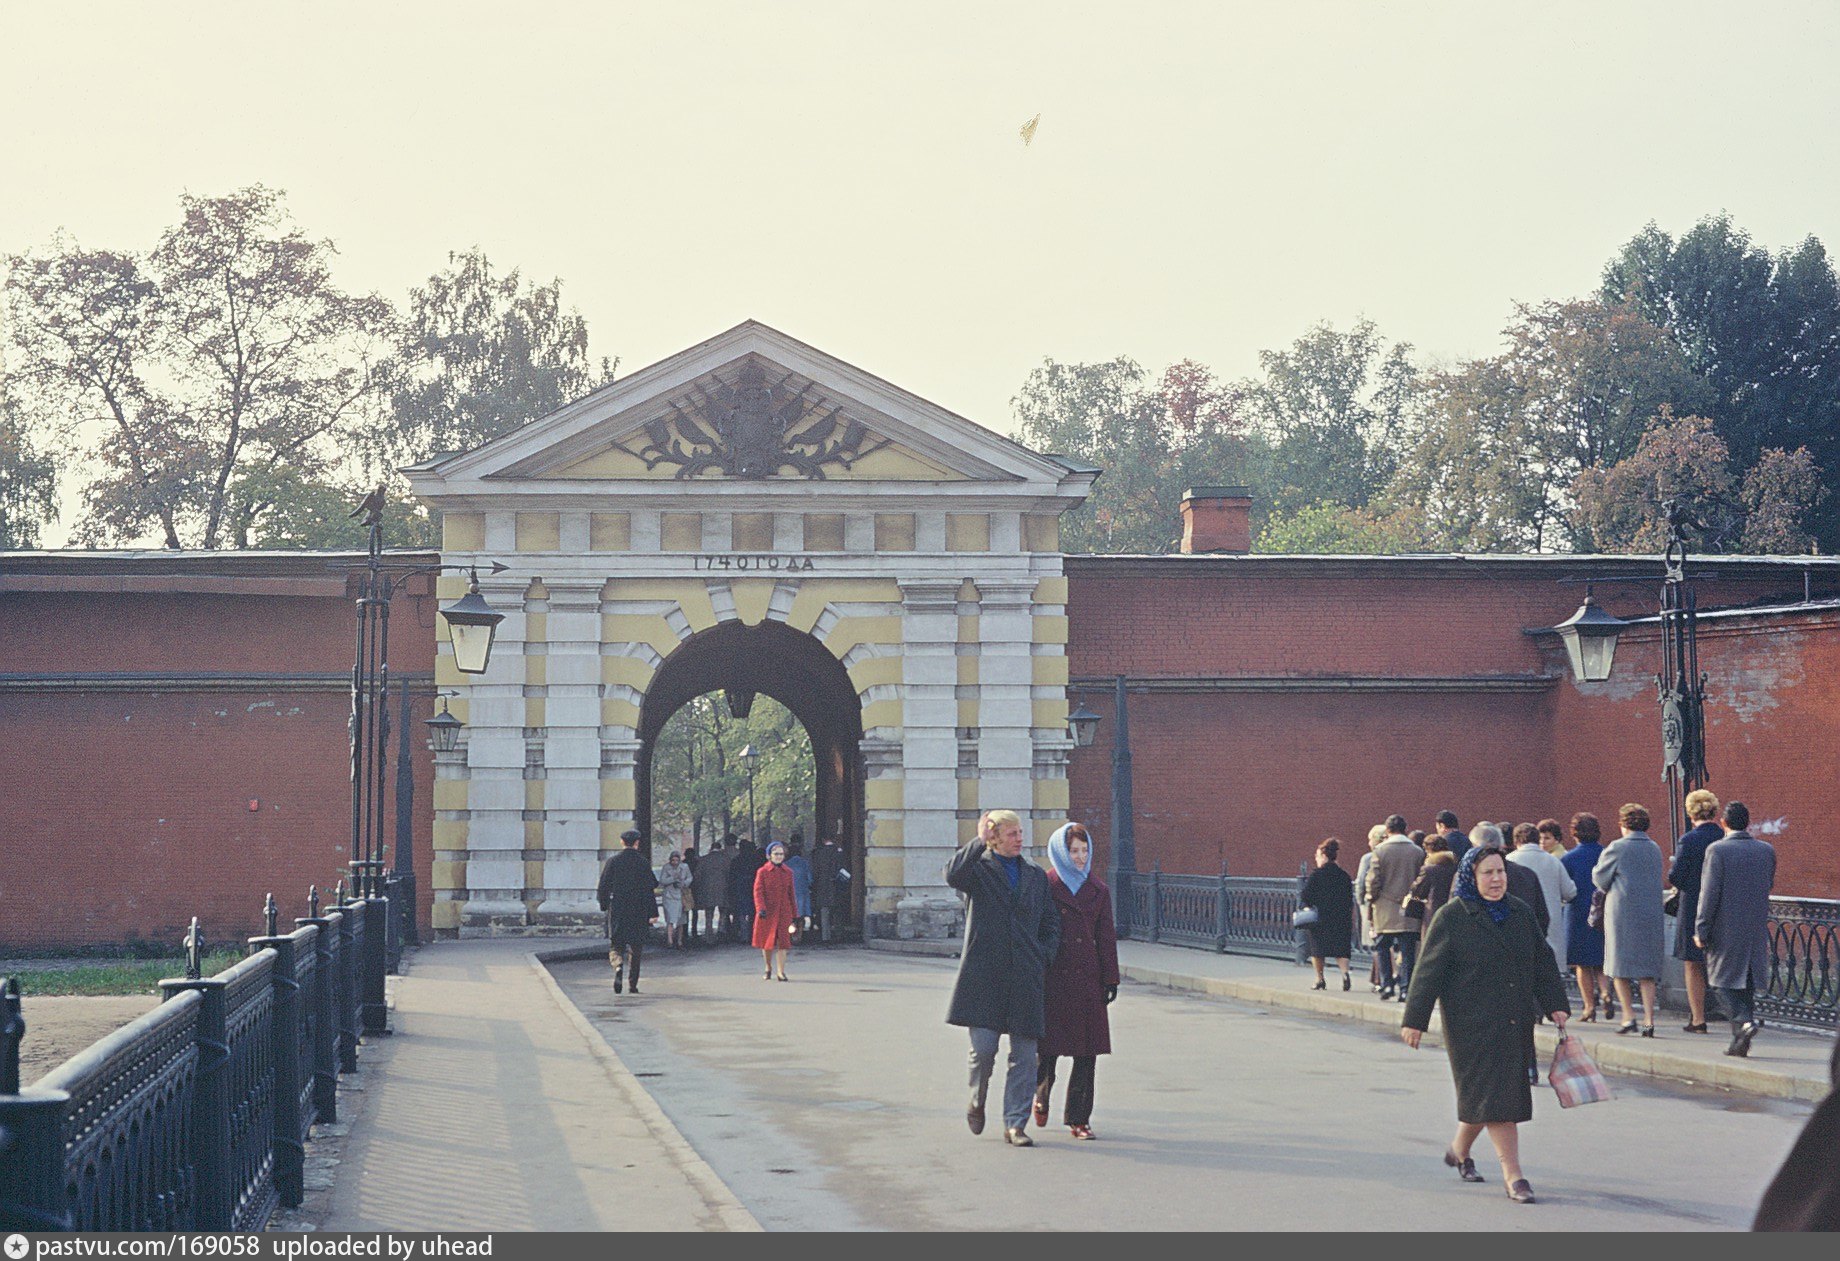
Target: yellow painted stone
[(967, 531), (631, 671), (463, 532), (609, 531), (619, 794), (1051, 591), (883, 794), (536, 672), (533, 873), (1045, 829), (1050, 671), (851, 631), (967, 673), (448, 874), (449, 674), (751, 532), (968, 628), (458, 706), (752, 595), (681, 532), (533, 834), (967, 794), (639, 628), (450, 794), (445, 915), (1041, 532), (1051, 794), (610, 463), (536, 628), (451, 586), (875, 671), (814, 594), (824, 531), (894, 531), (894, 463), (1050, 714), (886, 830), (881, 714), (1049, 629), (886, 869), (618, 712), (450, 833), (533, 794), (539, 531), (968, 713), (534, 711)]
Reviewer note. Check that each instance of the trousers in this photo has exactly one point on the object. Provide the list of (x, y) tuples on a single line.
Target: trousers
[(1018, 1087), (1741, 1003), (1396, 952), (628, 957), (1077, 1109)]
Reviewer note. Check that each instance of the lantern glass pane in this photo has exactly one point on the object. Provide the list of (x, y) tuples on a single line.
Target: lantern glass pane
[(472, 647)]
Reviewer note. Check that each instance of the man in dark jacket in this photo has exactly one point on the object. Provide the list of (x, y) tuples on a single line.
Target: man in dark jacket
[(1733, 926), (826, 867), (711, 889), (741, 868), (1454, 840), (1011, 934), (627, 894)]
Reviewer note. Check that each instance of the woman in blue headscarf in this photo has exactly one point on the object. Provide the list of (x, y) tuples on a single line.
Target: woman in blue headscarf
[(1486, 962), (1081, 980)]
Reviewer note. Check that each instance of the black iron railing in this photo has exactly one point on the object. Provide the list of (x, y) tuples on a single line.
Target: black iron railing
[(1804, 963), (195, 1116)]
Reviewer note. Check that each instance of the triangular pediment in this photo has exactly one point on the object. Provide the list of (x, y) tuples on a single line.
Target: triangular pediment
[(751, 405)]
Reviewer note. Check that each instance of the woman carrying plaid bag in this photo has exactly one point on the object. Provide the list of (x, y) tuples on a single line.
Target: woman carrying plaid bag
[(1486, 961)]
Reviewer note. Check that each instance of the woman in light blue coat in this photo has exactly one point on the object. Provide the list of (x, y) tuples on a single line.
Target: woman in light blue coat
[(1629, 874)]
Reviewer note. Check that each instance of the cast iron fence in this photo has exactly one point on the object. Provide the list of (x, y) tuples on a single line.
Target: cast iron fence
[(1252, 915), (195, 1116)]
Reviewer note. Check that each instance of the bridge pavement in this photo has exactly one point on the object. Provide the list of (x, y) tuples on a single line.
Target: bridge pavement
[(836, 1102)]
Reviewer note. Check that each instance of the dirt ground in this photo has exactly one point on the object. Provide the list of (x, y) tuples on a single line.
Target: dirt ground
[(57, 1028)]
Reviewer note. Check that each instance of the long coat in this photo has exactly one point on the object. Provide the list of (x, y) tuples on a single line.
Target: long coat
[(1629, 873), (1556, 890), (1434, 881), (1331, 892), (626, 894), (1085, 963), (1685, 874), (1494, 981), (746, 860), (775, 907), (674, 883), (1389, 879), (1010, 937), (1734, 911), (1584, 945), (1805, 1195), (826, 863)]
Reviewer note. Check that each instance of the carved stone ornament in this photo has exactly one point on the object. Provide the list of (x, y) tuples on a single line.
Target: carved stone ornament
[(753, 429)]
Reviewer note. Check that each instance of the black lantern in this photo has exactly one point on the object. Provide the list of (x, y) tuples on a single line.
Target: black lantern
[(472, 623), (444, 729), (1083, 724), (1590, 637)]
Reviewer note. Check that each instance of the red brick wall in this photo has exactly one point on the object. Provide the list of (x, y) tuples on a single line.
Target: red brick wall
[(126, 812)]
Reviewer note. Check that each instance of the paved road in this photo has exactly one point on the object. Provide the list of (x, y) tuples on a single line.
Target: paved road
[(836, 1102)]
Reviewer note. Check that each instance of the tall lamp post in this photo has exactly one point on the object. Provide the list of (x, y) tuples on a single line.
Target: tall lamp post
[(750, 755), (1590, 637), (472, 624), (1083, 726)]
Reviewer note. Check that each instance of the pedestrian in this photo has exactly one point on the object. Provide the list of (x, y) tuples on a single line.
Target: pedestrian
[(1629, 873), (712, 889), (826, 867), (1452, 832), (1552, 840), (1805, 1194), (674, 880), (1081, 982), (1389, 879), (1522, 884), (627, 893), (1488, 966), (1012, 931), (1684, 875), (692, 862), (741, 869), (1375, 835), (800, 867), (1584, 941), (1331, 894), (1556, 887), (1733, 921), (775, 907), (1432, 888)]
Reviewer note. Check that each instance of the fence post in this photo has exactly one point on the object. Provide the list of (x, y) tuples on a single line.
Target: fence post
[(375, 963), (290, 1151), (31, 1135), (351, 937), (1156, 901), (1223, 911), (1302, 934), (325, 1011), (214, 1202)]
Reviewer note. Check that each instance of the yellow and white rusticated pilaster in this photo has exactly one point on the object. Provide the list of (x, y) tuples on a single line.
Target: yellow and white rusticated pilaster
[(750, 513)]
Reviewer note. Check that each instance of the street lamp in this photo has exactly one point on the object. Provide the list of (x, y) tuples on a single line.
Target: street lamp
[(750, 755), (444, 729), (472, 623), (1083, 726), (1590, 637)]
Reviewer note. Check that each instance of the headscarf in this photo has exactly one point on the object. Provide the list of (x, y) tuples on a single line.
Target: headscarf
[(775, 845), (1465, 886), (1060, 856)]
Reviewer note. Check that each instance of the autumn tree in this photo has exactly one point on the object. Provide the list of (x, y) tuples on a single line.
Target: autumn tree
[(700, 781), (28, 481), (201, 376), (1326, 529)]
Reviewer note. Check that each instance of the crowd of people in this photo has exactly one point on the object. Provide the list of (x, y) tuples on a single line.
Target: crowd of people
[(1502, 907)]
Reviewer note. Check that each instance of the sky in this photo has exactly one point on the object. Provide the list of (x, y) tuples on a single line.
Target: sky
[(1207, 180)]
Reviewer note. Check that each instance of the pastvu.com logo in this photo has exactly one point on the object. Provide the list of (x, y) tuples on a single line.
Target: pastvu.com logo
[(17, 1246)]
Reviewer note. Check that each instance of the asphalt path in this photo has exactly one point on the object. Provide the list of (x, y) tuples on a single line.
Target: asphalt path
[(836, 1102)]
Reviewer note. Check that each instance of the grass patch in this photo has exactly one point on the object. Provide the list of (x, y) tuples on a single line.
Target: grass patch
[(47, 978)]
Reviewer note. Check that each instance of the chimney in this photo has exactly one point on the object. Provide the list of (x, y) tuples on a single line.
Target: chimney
[(1217, 519)]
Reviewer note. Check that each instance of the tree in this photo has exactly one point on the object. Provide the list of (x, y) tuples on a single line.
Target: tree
[(28, 481), (700, 781), (1762, 331), (482, 354), (217, 366), (1329, 529), (1153, 441)]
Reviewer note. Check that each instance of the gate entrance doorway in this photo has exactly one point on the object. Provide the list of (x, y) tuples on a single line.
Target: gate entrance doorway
[(738, 663)]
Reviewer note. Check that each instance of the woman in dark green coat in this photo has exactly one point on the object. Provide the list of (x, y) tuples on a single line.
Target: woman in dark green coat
[(1487, 963)]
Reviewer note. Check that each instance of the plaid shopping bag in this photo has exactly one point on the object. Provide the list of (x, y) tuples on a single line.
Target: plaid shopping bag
[(1574, 1075)]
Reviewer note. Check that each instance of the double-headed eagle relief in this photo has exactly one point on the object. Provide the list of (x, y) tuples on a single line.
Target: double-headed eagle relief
[(754, 428)]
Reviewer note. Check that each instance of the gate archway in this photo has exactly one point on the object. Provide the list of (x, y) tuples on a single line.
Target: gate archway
[(792, 667)]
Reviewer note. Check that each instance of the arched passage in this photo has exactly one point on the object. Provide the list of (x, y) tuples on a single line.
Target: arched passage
[(796, 670)]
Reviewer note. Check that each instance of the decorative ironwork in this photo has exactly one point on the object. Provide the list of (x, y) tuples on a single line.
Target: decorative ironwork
[(194, 952), (754, 429), (12, 1033), (1804, 963)]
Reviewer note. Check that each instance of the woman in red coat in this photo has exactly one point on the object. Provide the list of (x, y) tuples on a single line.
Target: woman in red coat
[(1081, 981), (775, 907)]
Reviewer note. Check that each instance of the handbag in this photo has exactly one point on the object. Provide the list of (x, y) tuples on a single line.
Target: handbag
[(1670, 905), (1574, 1075), (1594, 918), (1414, 907), (1304, 918)]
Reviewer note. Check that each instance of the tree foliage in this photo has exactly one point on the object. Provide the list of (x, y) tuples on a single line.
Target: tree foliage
[(28, 481), (198, 371), (1326, 529), (700, 780)]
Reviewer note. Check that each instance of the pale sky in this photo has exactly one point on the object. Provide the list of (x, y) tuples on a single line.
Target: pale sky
[(1208, 179)]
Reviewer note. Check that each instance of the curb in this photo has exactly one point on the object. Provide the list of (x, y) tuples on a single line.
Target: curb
[(1613, 1054), (729, 1211), (917, 946)]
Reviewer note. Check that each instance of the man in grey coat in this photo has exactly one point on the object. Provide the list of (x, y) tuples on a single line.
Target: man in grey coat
[(1389, 878), (1011, 933), (1734, 921)]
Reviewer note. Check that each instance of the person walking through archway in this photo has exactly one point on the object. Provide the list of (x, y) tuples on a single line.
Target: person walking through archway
[(674, 883), (627, 893), (1011, 933), (1082, 981), (775, 907)]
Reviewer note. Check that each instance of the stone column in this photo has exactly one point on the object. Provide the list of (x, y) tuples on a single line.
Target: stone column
[(572, 753), (929, 756), (495, 770), (1006, 745)]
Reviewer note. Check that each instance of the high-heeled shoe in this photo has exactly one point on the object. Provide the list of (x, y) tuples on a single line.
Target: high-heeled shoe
[(1628, 1028), (767, 975), (1345, 984), (784, 977), (1320, 985), (1589, 1018), (1698, 1028), (1648, 1031)]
